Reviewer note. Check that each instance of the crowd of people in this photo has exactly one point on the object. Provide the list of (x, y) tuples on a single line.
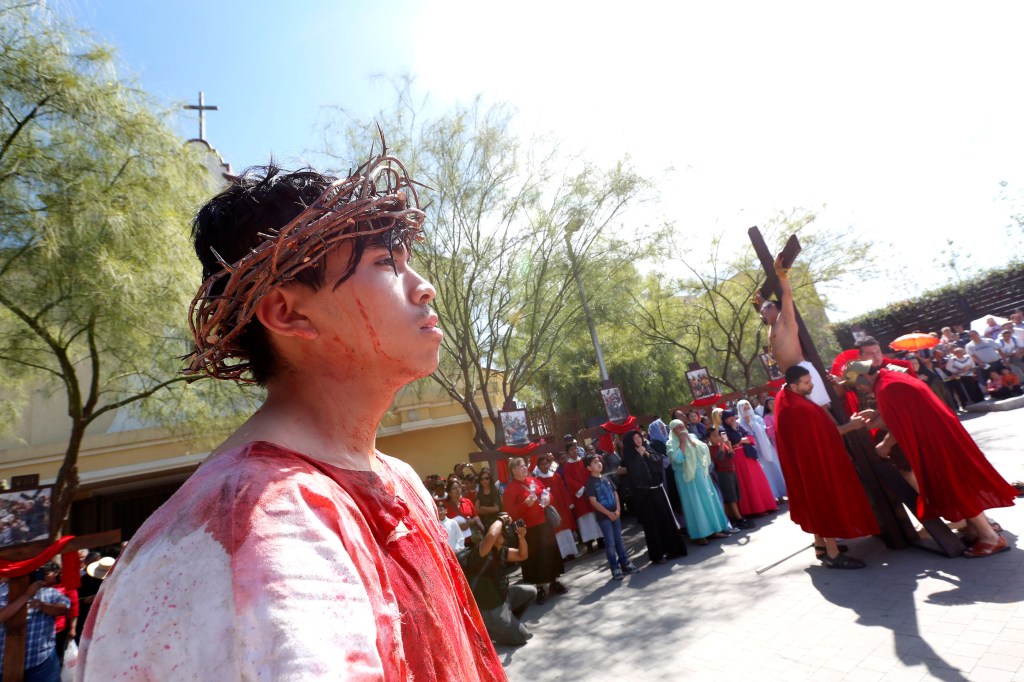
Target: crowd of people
[(968, 366), (702, 476)]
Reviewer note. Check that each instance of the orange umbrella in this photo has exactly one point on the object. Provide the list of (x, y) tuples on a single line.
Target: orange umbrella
[(914, 342)]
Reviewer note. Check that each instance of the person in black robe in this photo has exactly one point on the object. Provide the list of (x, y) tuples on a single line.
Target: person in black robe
[(650, 501)]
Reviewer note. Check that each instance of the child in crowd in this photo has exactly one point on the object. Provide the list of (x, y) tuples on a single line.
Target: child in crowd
[(451, 526), (725, 471), (605, 500)]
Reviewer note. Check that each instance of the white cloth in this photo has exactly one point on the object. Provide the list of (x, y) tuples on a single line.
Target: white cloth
[(455, 537), (566, 543), (589, 530), (768, 457), (819, 394)]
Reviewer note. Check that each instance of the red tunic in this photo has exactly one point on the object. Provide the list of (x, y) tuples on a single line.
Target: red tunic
[(514, 501), (825, 495), (305, 572), (955, 479), (576, 476), (559, 500)]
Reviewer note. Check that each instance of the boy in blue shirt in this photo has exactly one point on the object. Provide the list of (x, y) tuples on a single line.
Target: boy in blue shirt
[(602, 496)]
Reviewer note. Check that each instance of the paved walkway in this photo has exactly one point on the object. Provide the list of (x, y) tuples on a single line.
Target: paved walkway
[(911, 615)]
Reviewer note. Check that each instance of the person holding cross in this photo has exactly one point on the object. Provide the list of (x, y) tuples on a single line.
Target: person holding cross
[(310, 554), (784, 337)]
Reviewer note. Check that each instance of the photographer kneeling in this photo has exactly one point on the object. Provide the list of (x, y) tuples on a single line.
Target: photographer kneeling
[(501, 605)]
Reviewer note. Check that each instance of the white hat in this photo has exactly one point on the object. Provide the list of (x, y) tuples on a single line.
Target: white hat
[(100, 569)]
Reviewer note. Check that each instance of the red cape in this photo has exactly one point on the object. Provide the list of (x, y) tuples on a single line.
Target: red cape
[(956, 480), (576, 476), (825, 495), (559, 500)]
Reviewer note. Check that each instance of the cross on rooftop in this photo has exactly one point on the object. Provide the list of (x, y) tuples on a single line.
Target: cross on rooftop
[(202, 107)]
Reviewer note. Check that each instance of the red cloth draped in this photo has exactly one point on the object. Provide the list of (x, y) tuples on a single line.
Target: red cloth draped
[(606, 442), (70, 570), (624, 427), (704, 402), (516, 450), (825, 495), (955, 478), (15, 569)]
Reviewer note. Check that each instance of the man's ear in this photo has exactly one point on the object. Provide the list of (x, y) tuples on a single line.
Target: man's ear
[(278, 311)]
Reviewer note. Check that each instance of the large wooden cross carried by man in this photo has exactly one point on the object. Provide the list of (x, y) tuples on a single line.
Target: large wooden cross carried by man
[(886, 490)]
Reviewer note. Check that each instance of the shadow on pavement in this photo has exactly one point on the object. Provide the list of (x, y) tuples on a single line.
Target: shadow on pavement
[(883, 596)]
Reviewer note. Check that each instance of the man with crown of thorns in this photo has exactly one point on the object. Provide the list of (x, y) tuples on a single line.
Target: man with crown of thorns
[(297, 550)]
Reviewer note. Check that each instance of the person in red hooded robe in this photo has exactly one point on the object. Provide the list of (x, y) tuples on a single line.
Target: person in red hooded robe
[(956, 481), (560, 501), (825, 496)]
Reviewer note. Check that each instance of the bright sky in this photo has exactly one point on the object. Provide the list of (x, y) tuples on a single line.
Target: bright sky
[(900, 119)]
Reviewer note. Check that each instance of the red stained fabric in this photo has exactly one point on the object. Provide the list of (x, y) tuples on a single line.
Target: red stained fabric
[(15, 569), (825, 494), (576, 476), (514, 450), (955, 478), (624, 427), (606, 442), (559, 500), (514, 501), (755, 492), (704, 402)]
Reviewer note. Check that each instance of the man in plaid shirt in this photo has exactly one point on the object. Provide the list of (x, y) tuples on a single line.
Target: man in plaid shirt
[(44, 605)]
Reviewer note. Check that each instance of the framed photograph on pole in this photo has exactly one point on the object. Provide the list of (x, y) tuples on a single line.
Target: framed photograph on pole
[(614, 404), (771, 368), (514, 427), (25, 516), (701, 384)]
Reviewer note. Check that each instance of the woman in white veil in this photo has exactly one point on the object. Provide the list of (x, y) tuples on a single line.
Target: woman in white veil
[(769, 458)]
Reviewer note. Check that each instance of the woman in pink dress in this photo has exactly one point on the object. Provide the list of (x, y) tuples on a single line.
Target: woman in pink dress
[(755, 492)]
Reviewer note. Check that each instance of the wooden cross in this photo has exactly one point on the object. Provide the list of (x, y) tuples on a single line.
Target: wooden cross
[(202, 108), (886, 500), (14, 646)]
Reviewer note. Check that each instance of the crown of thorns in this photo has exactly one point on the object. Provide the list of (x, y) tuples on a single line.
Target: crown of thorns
[(377, 197)]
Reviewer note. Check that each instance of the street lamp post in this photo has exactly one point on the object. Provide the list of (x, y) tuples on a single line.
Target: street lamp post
[(572, 227)]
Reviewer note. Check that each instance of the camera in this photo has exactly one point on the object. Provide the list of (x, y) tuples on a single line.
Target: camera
[(509, 531)]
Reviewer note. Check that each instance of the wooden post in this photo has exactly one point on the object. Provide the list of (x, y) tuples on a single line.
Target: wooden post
[(14, 645)]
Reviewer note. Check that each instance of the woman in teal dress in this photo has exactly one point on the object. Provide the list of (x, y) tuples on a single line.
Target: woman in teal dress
[(690, 458)]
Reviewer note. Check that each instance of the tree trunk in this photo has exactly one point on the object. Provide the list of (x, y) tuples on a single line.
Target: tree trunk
[(66, 486)]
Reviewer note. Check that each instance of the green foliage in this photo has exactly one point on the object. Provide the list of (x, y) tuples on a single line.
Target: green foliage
[(701, 305), (502, 209), (96, 270)]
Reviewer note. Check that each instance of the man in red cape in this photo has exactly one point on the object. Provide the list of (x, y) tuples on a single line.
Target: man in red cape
[(825, 496), (956, 481)]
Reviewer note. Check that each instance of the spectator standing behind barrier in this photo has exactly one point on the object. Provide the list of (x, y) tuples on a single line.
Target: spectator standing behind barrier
[(985, 353), (501, 605)]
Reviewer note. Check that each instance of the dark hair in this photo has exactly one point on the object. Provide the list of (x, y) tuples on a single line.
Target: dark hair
[(769, 403), (796, 372), (866, 341), (677, 412), (628, 446), (258, 202), (588, 459), (261, 199)]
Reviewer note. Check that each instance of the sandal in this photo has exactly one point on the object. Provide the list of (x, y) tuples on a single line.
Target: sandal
[(983, 549), (819, 551), (701, 541), (842, 561)]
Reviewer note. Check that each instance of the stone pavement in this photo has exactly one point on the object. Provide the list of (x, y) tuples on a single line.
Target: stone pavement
[(911, 615)]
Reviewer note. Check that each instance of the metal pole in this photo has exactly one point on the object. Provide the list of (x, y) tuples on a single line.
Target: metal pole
[(569, 229)]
